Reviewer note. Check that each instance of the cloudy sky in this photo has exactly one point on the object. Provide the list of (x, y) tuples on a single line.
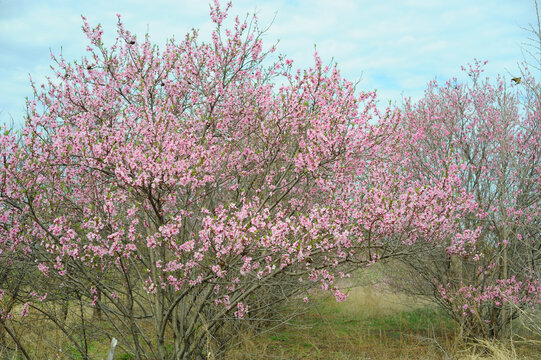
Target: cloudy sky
[(394, 46)]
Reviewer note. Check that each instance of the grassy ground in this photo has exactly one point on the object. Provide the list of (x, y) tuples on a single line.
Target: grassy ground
[(373, 324)]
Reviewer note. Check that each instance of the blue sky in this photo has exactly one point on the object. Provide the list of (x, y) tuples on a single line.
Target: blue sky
[(393, 46)]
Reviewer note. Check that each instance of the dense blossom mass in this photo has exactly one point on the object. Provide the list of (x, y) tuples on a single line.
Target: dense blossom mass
[(179, 187), (492, 133)]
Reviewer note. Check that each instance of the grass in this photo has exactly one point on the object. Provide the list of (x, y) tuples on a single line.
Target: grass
[(372, 324), (368, 325)]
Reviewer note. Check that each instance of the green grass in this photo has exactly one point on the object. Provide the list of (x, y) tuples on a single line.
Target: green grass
[(371, 324), (367, 325)]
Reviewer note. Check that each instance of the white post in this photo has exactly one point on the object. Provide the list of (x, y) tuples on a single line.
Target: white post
[(112, 349)]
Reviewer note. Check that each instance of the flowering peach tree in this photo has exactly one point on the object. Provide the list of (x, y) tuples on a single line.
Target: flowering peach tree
[(171, 190), (490, 131)]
